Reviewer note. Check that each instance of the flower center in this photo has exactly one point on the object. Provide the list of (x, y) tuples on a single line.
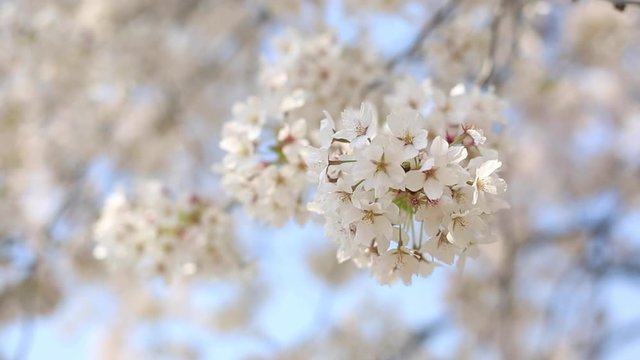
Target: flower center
[(361, 130), (408, 138), (280, 180), (344, 196), (458, 195), (381, 166), (367, 216), (431, 173), (482, 184), (459, 222)]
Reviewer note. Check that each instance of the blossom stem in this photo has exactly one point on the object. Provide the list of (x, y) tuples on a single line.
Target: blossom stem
[(339, 162), (458, 139), (413, 229), (357, 184)]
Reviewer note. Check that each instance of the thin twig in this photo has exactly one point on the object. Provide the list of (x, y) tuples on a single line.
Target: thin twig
[(29, 308), (615, 339), (27, 331), (622, 4), (488, 70), (414, 342), (416, 45)]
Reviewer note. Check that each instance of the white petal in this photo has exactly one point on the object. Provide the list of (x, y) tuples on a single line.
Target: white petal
[(409, 152), (439, 147), (420, 139), (383, 227), (490, 188), (373, 152), (346, 134), (395, 123), (428, 164), (327, 129), (364, 234), (433, 188), (414, 180), (351, 215), (363, 169), (383, 243), (393, 213), (488, 168), (349, 117), (456, 154), (368, 114), (447, 176), (396, 173)]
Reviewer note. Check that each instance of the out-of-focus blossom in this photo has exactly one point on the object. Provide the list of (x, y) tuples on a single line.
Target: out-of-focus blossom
[(160, 235)]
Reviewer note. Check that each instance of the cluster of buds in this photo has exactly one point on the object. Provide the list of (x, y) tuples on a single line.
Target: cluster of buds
[(416, 191), (160, 235)]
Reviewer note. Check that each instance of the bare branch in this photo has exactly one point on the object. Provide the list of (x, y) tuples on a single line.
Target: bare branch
[(436, 20), (622, 4), (490, 73), (616, 338), (414, 342), (416, 45)]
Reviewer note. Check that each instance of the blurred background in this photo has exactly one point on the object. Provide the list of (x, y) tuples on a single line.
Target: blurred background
[(99, 94)]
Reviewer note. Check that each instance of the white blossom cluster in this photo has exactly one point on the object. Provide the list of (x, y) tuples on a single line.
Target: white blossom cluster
[(326, 74), (160, 235), (461, 110), (417, 191), (265, 140), (268, 179)]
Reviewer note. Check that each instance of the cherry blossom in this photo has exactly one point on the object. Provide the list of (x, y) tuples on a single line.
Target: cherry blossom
[(160, 235), (266, 173), (401, 203)]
